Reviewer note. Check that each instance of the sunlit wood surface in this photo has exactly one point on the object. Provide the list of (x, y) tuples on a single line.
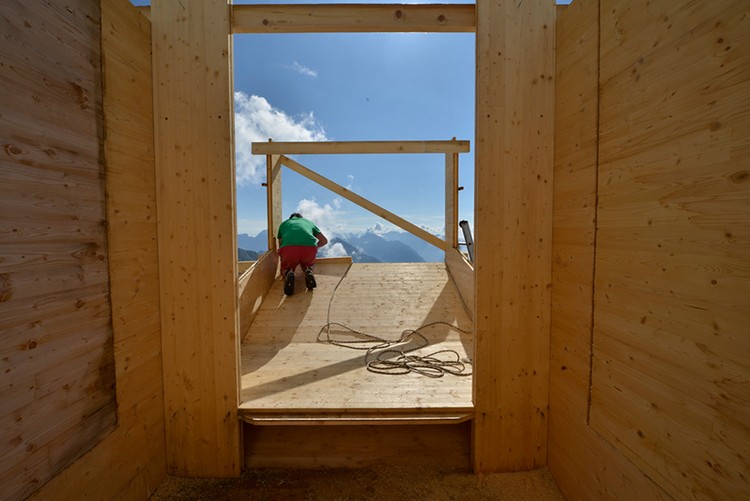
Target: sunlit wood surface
[(287, 372)]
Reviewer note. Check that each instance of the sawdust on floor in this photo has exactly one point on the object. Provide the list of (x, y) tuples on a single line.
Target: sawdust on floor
[(380, 482)]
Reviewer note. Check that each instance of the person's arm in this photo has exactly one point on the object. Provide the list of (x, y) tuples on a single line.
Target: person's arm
[(322, 240)]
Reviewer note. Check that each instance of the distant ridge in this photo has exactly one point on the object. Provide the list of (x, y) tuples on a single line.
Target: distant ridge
[(387, 251), (246, 255), (258, 243), (375, 245), (358, 255)]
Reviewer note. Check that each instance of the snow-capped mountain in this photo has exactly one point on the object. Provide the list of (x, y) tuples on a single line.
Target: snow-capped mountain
[(379, 243)]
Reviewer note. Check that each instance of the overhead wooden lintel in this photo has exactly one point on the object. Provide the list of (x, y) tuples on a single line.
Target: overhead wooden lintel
[(358, 147), (354, 18), (350, 18)]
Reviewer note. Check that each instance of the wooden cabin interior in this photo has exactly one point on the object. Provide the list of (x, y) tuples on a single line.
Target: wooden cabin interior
[(600, 323)]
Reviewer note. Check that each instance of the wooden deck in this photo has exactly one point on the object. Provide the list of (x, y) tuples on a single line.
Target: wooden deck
[(289, 377)]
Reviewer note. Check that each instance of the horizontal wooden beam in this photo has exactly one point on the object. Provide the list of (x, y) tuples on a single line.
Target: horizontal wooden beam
[(354, 18), (363, 202), (354, 420), (350, 18), (358, 147)]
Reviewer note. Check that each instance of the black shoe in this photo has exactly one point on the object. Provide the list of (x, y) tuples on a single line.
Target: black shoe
[(289, 283), (310, 279)]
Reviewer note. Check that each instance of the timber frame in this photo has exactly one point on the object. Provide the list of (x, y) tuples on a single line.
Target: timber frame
[(627, 374), (350, 18), (276, 155), (511, 341)]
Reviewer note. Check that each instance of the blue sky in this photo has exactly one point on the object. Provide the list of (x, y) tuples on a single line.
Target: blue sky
[(350, 87), (354, 87)]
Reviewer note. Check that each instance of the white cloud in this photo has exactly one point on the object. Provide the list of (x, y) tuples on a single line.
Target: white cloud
[(303, 70), (256, 120), (327, 217), (335, 250)]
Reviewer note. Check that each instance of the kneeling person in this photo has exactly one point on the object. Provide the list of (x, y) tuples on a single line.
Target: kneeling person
[(299, 240)]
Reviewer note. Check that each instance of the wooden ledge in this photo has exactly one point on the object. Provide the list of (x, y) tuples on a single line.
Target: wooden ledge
[(379, 418)]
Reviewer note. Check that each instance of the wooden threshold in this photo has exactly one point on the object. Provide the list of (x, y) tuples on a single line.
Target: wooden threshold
[(291, 379), (355, 419)]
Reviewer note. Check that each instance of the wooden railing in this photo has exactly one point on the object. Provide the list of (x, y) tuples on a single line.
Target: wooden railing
[(276, 153), (276, 156)]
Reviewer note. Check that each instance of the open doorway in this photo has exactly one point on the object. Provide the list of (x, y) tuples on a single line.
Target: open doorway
[(345, 87), (355, 87)]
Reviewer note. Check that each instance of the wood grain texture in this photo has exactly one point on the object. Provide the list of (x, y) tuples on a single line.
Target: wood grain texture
[(287, 373), (273, 197), (662, 259), (197, 236), (437, 446), (253, 287), (358, 147), (451, 201), (584, 465), (513, 218), (56, 344), (462, 274), (671, 374), (364, 18), (132, 457)]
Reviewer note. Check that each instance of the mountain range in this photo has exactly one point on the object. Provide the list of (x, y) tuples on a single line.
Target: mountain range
[(375, 245)]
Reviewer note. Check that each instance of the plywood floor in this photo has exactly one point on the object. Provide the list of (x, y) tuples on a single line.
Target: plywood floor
[(288, 374)]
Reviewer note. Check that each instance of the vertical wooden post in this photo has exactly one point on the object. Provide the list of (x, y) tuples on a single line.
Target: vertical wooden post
[(193, 118), (451, 201), (273, 197), (513, 219)]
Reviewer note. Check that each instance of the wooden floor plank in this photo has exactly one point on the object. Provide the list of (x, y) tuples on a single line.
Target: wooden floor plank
[(286, 370)]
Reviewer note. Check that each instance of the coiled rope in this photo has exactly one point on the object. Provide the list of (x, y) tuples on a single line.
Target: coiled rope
[(384, 357)]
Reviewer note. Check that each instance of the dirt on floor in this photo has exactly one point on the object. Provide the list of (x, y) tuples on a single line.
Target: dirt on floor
[(376, 483)]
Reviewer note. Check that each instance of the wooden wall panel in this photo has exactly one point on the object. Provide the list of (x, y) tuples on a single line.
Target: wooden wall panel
[(358, 446), (576, 122), (197, 235), (652, 281), (513, 217), (671, 372), (585, 466), (253, 286), (131, 462), (56, 343), (462, 273)]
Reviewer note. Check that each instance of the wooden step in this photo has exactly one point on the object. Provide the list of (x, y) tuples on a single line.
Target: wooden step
[(379, 417)]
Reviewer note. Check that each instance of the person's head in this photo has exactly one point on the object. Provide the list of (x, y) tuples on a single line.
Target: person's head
[(295, 215)]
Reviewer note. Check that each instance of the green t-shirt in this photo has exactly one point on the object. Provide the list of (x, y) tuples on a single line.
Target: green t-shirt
[(298, 231)]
